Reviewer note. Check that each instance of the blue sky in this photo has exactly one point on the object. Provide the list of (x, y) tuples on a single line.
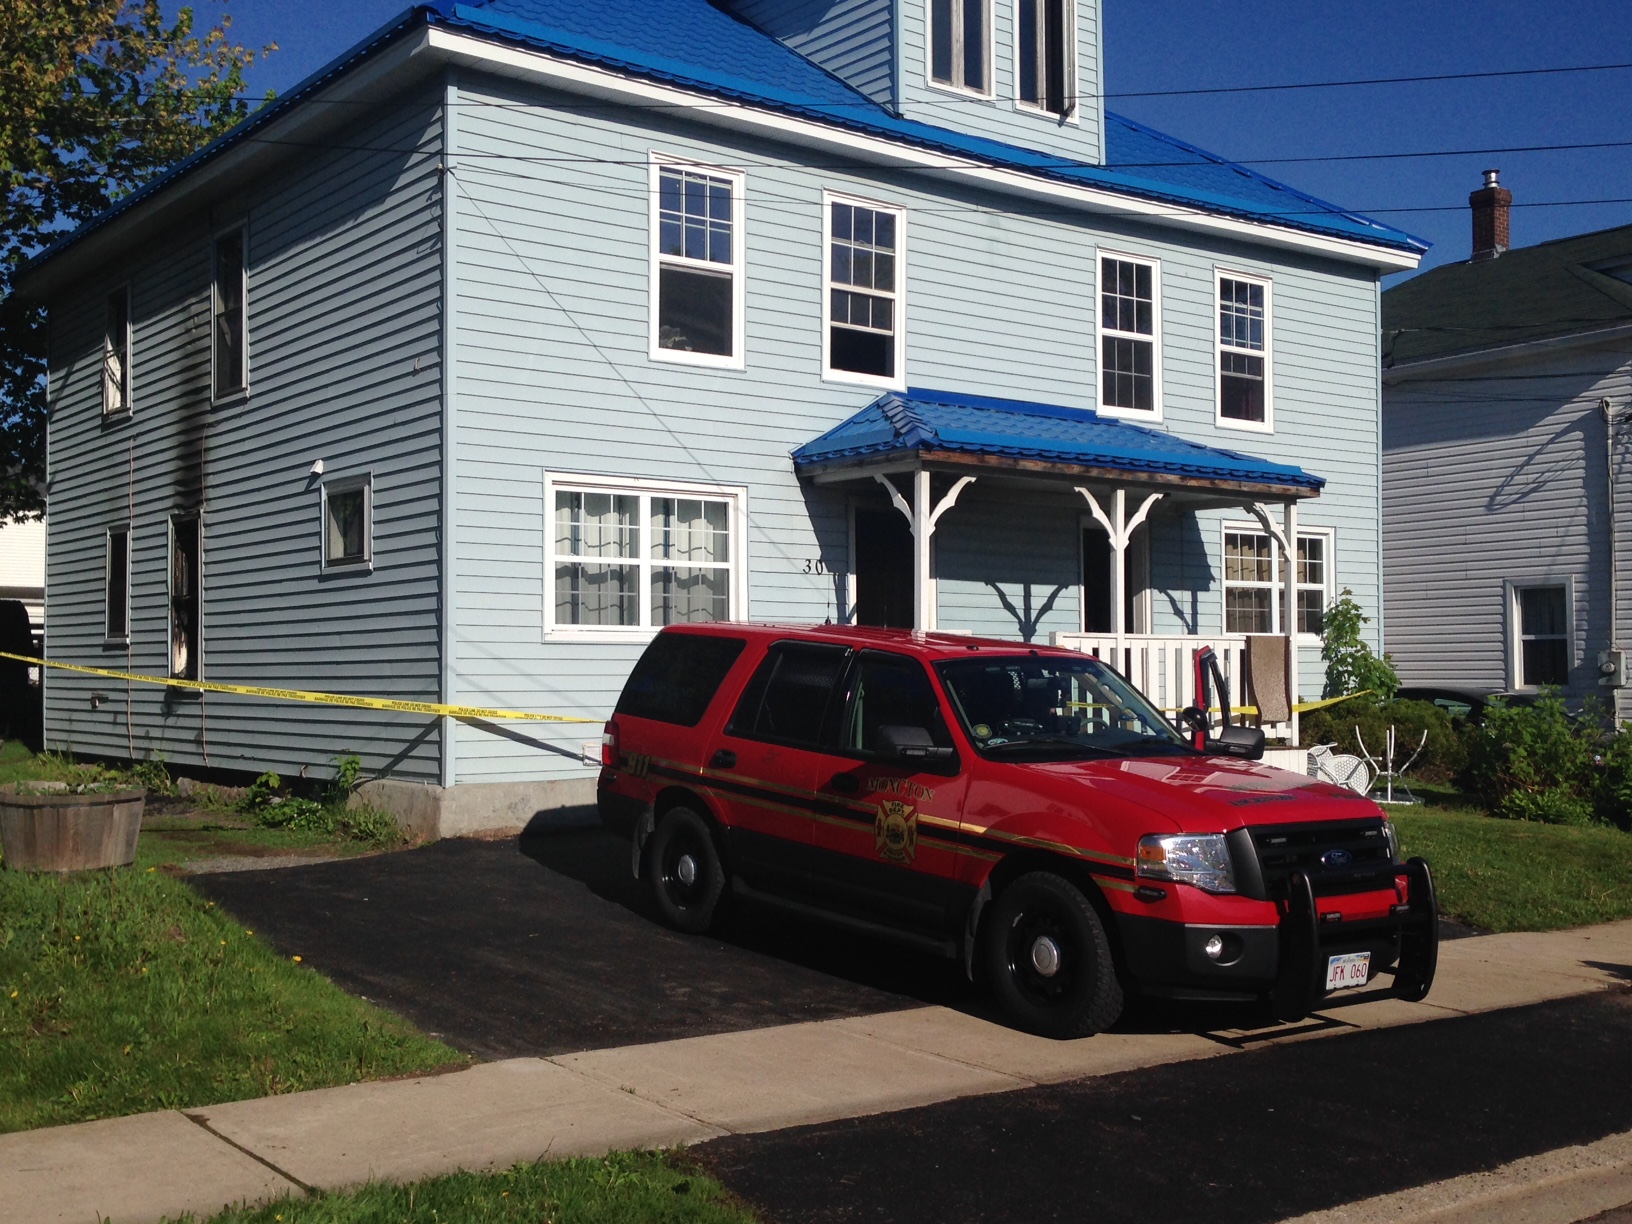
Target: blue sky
[(1190, 44)]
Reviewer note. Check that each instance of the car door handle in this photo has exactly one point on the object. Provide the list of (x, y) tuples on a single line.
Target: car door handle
[(724, 758), (845, 784)]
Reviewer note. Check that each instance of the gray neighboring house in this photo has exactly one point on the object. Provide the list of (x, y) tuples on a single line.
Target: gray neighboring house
[(530, 326), (1507, 500)]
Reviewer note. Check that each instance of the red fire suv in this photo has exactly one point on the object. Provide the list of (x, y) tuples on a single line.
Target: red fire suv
[(1023, 808)]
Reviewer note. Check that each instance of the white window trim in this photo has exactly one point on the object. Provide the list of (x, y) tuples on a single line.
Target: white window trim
[(108, 636), (568, 482), (829, 374), (241, 228), (1515, 627), (348, 484), (988, 94), (1326, 534), (1073, 84), (1267, 425), (738, 360), (1155, 338), (130, 356)]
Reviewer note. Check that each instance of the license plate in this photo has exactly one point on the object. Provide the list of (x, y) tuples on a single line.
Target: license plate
[(1348, 971)]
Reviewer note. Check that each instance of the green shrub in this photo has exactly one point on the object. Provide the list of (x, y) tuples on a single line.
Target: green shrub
[(1350, 665), (1442, 757), (152, 775), (1555, 805), (1612, 798), (1536, 762), (270, 803)]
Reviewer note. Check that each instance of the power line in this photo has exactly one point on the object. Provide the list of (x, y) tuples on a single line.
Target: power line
[(1400, 80)]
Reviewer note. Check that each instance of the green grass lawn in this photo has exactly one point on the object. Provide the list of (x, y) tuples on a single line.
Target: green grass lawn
[(625, 1188), (125, 991), (1507, 875)]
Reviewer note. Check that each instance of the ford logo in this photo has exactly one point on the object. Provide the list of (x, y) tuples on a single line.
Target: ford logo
[(1335, 859)]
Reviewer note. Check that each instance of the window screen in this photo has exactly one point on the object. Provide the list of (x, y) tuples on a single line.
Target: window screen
[(788, 697), (677, 677)]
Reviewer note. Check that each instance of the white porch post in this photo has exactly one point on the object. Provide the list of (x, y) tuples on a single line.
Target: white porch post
[(1289, 524), (922, 517), (1120, 528)]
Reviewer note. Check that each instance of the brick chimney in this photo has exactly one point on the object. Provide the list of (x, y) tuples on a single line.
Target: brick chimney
[(1490, 206)]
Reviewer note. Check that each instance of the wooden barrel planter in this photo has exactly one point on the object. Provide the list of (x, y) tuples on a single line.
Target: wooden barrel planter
[(68, 832)]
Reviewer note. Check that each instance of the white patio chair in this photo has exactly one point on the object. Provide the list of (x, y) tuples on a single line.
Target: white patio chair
[(1340, 768)]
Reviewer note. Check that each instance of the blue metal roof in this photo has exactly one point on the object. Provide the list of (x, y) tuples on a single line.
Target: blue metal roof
[(949, 422), (701, 46)]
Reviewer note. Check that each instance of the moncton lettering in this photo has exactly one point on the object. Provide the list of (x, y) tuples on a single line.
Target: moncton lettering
[(905, 787)]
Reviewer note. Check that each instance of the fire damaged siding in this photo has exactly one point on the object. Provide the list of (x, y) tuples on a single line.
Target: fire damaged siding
[(344, 259)]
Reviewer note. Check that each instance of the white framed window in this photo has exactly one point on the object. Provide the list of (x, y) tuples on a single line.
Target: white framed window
[(1255, 580), (1045, 56), (864, 308), (116, 585), (1245, 362), (1130, 337), (626, 557), (1541, 650), (697, 264), (229, 295), (960, 45), (116, 353), (348, 523)]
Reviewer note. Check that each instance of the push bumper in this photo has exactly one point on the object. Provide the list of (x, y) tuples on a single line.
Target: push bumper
[(1287, 961)]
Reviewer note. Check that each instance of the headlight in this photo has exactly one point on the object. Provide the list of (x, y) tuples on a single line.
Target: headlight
[(1393, 841), (1202, 859)]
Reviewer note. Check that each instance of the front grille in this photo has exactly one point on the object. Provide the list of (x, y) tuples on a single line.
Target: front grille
[(1283, 849)]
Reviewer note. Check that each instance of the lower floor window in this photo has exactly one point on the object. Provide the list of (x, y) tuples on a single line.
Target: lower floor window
[(1544, 636), (347, 527), (631, 559), (1255, 582)]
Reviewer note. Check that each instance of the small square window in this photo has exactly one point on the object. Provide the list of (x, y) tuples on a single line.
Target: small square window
[(347, 523)]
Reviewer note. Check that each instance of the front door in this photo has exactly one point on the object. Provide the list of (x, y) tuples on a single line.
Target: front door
[(883, 569), (886, 846)]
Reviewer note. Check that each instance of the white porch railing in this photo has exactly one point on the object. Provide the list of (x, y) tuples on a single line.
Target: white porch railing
[(1163, 668)]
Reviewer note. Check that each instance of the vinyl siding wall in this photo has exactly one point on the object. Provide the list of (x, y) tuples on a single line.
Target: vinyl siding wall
[(1001, 116), (344, 328), (550, 343), (1495, 475), (852, 39)]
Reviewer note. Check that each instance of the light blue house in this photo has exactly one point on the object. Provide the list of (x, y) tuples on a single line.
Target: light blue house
[(527, 327)]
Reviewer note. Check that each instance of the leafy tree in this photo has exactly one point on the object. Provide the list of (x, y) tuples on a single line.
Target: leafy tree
[(1350, 665), (96, 97)]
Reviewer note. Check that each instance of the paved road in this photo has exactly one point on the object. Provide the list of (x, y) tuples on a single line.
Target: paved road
[(1256, 1138), (547, 946)]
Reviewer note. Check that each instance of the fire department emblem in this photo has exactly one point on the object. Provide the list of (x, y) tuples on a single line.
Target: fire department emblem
[(895, 832)]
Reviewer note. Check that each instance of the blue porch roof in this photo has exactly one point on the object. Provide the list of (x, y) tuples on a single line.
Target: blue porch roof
[(955, 429), (700, 46)]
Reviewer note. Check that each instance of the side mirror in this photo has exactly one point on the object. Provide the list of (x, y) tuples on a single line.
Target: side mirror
[(1236, 741), (911, 746)]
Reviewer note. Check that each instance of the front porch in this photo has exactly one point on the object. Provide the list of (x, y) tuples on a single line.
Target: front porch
[(974, 488)]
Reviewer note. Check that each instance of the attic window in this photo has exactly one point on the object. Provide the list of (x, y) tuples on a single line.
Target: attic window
[(1044, 54), (959, 37)]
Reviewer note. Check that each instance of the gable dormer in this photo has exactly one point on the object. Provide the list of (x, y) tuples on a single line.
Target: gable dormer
[(1023, 71)]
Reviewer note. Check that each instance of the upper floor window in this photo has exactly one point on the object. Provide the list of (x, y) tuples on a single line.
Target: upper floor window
[(959, 44), (1046, 55), (116, 353), (1129, 327), (697, 288), (1255, 582), (864, 292), (1243, 351), (627, 556), (230, 353)]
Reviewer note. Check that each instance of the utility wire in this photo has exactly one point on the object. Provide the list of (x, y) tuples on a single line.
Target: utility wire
[(1358, 81)]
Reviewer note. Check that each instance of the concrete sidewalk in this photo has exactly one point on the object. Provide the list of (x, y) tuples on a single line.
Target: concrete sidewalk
[(145, 1167)]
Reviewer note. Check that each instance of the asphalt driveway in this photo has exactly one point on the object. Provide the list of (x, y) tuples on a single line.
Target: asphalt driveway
[(547, 945)]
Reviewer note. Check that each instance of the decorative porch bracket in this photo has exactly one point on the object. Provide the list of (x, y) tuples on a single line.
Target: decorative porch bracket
[(1120, 528), (921, 518)]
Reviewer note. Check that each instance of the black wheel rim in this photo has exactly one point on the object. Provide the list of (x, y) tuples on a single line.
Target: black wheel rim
[(683, 846), (1043, 922)]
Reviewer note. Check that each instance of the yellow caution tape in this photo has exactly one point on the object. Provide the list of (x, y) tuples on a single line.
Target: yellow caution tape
[(281, 694), (1301, 708)]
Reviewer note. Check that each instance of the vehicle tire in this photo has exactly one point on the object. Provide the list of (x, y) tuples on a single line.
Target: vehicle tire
[(1044, 951), (684, 870)]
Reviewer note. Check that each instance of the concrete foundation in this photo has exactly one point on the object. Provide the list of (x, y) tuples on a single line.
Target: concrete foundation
[(427, 812)]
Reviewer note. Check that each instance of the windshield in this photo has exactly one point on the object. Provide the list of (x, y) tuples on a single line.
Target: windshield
[(1049, 707)]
